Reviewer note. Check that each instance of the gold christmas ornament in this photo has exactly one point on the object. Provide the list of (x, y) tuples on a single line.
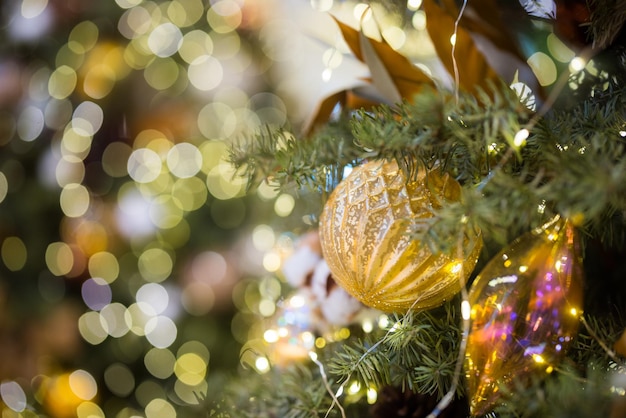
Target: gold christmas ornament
[(525, 308), (365, 235)]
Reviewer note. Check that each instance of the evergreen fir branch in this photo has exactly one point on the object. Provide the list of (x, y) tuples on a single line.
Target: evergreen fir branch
[(607, 20), (358, 361), (316, 163), (296, 391), (418, 353)]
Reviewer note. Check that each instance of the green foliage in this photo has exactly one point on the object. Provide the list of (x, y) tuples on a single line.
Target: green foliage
[(293, 392), (571, 163), (418, 352)]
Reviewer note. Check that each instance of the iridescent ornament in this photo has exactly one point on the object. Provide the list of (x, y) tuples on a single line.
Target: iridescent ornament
[(365, 232), (525, 308)]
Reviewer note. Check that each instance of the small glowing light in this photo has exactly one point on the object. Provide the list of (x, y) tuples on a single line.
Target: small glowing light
[(83, 385), (573, 311), (394, 36), (383, 321), (453, 39), (456, 268), (30, 123), (492, 147), (558, 266), (367, 326), (313, 355), (159, 408), (33, 8), (322, 5), (267, 307), (549, 369), (165, 40), (523, 269), (538, 359), (622, 134), (13, 396), (96, 293), (59, 258), (419, 20), (414, 4), (160, 331), (144, 165), (205, 73), (14, 253), (465, 310), (307, 338), (154, 295), (160, 362), (270, 335), (343, 334), (354, 388), (271, 262), (544, 68), (184, 160), (320, 342), (577, 64), (618, 390), (520, 137), (262, 364), (362, 12), (284, 205), (541, 208), (297, 301), (372, 396), (326, 74)]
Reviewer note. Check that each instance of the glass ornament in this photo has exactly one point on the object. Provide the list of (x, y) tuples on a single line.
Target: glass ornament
[(365, 233), (292, 331), (525, 307)]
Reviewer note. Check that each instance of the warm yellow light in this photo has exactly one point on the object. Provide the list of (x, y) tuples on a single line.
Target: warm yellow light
[(262, 364), (354, 388), (372, 396), (577, 64), (520, 137), (465, 310)]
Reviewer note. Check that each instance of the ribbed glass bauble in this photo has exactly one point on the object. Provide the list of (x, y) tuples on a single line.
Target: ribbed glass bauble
[(365, 235)]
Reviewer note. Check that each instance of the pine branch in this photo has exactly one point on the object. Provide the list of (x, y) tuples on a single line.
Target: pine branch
[(293, 392), (419, 353)]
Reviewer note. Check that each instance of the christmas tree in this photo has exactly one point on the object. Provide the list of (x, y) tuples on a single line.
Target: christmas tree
[(473, 203)]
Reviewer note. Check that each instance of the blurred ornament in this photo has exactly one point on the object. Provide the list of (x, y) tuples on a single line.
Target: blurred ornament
[(525, 306), (291, 334), (336, 306), (365, 231), (306, 269)]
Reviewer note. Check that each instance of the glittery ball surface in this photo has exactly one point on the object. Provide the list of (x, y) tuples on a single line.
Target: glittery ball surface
[(365, 235)]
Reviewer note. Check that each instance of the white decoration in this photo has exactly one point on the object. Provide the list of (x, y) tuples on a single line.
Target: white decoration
[(300, 265), (545, 9), (335, 304)]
